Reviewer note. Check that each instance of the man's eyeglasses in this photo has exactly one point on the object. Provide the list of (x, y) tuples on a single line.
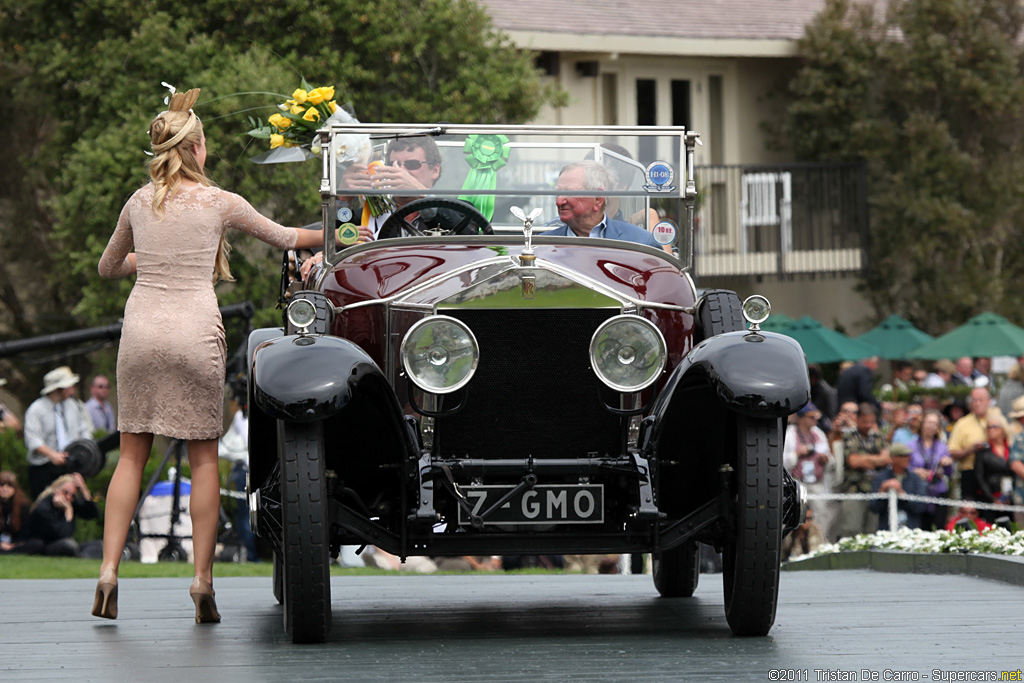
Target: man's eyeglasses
[(102, 386), (411, 164)]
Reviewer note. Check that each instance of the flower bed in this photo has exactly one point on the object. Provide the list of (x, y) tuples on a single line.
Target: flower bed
[(995, 541)]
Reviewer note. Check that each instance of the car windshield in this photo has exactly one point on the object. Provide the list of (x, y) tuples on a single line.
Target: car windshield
[(500, 167)]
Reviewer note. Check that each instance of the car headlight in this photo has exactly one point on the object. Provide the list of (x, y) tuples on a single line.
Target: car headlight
[(756, 309), (628, 353), (440, 354), (301, 313)]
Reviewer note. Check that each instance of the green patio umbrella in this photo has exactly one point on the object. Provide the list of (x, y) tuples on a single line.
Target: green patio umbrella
[(895, 337), (777, 322), (822, 345), (986, 334)]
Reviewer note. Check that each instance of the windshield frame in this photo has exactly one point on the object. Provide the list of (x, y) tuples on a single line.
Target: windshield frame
[(337, 137)]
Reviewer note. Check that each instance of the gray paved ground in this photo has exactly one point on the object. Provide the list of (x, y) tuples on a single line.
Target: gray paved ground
[(515, 628)]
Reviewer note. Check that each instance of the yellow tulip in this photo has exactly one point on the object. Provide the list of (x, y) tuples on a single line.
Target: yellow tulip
[(311, 115), (298, 109), (276, 141), (315, 96), (280, 122), (321, 95), (300, 95), (332, 106)]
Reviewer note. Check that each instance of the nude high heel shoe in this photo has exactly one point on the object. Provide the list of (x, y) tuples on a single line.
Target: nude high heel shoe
[(206, 607), (105, 603)]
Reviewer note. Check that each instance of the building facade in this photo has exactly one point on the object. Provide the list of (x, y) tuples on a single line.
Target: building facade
[(794, 232)]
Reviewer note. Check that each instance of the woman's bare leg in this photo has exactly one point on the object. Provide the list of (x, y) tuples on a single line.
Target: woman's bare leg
[(204, 504), (122, 497)]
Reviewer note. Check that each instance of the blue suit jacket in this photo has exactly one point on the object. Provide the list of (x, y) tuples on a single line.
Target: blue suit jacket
[(616, 230)]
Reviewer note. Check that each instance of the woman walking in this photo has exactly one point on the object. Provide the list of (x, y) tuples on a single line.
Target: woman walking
[(170, 364)]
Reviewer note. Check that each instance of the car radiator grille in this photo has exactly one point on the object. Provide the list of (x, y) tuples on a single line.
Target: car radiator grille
[(533, 393)]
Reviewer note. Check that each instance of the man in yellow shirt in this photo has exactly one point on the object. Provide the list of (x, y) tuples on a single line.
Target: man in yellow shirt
[(969, 436)]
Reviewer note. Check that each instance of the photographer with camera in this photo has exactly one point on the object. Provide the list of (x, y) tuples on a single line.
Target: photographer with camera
[(51, 423), (52, 517)]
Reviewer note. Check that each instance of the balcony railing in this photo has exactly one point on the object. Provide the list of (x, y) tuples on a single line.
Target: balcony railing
[(785, 219)]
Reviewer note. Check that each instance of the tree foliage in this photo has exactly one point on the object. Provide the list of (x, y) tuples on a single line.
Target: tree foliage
[(79, 85), (930, 94)]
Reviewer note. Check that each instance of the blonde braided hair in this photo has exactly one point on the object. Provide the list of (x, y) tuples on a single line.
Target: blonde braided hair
[(174, 135)]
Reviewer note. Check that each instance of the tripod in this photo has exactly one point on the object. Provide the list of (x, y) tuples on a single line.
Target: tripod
[(173, 551)]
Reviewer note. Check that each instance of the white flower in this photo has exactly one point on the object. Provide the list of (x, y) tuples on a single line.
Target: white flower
[(996, 541)]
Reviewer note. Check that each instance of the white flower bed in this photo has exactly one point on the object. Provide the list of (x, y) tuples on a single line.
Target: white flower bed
[(995, 541)]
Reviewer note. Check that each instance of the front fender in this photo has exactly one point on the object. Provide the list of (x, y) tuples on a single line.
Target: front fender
[(757, 374), (306, 378)]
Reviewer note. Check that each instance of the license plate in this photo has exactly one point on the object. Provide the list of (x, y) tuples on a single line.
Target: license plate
[(543, 504)]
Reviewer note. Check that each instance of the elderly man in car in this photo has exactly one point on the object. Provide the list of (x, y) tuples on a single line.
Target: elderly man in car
[(584, 216)]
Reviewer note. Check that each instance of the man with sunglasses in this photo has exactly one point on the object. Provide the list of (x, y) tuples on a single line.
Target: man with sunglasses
[(411, 164)]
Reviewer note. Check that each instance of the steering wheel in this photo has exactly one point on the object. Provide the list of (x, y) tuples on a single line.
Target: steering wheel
[(449, 217)]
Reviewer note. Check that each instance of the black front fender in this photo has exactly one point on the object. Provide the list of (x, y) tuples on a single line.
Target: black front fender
[(757, 374), (306, 378)]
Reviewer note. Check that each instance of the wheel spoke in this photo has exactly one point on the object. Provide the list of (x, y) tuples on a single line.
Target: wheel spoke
[(410, 228)]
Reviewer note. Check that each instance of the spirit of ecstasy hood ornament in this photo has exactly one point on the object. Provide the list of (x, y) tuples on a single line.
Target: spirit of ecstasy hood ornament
[(527, 256)]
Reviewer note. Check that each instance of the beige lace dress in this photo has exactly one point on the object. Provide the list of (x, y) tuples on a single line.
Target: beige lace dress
[(170, 364)]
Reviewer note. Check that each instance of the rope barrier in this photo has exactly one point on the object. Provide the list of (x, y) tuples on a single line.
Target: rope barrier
[(948, 502), (894, 497)]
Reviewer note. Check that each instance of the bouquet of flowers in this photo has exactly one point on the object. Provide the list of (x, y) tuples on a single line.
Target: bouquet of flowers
[(297, 123), (299, 118)]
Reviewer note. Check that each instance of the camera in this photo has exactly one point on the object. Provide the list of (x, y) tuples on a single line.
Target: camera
[(85, 457)]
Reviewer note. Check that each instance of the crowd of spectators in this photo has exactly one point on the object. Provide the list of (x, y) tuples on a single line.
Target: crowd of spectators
[(953, 438), (39, 513), (967, 444)]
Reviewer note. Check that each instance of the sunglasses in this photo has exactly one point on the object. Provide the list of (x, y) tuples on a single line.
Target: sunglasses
[(411, 164)]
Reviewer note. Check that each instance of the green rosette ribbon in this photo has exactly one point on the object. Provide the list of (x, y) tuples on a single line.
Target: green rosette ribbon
[(485, 154)]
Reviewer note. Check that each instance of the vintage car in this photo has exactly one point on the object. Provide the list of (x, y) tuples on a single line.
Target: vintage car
[(465, 385)]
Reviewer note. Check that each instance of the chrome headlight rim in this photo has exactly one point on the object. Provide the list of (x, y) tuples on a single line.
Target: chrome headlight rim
[(301, 313), (417, 379), (756, 309), (662, 348)]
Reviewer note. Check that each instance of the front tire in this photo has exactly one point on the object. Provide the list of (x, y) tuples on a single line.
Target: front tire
[(751, 557), (677, 571), (306, 549)]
